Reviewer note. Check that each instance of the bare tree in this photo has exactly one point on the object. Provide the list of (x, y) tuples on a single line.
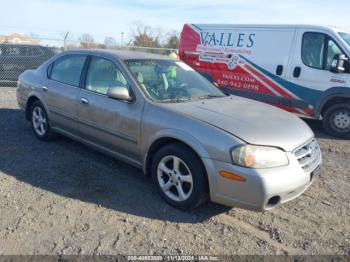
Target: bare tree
[(86, 40), (144, 35), (110, 42), (172, 40)]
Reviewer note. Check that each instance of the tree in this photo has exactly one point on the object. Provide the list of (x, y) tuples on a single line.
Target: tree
[(172, 40), (110, 42), (145, 36), (86, 41)]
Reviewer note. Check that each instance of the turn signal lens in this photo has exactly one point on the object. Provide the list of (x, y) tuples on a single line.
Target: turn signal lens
[(232, 176)]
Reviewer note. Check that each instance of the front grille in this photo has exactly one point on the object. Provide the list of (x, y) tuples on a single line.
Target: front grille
[(308, 155)]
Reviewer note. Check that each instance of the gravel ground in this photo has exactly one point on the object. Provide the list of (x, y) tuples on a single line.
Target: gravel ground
[(64, 198)]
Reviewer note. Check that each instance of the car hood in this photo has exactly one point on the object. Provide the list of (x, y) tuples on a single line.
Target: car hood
[(254, 122)]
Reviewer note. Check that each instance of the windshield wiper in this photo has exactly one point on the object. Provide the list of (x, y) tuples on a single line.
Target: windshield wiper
[(210, 96), (174, 100)]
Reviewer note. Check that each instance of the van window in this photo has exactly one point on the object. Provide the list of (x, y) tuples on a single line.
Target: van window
[(318, 50), (312, 50), (68, 69), (346, 37), (332, 50)]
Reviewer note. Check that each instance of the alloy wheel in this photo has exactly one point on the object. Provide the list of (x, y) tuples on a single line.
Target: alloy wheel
[(175, 178), (39, 121)]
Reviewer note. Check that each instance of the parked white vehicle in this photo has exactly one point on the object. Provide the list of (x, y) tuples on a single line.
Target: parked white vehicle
[(300, 68)]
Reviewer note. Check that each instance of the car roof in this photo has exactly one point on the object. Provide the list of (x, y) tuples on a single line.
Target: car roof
[(121, 54)]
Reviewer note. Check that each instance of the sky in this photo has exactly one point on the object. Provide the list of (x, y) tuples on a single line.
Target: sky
[(101, 18)]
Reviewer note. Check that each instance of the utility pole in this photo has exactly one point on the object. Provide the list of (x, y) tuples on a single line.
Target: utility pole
[(122, 38), (65, 40)]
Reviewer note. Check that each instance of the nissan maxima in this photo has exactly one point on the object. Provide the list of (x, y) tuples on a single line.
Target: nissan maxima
[(158, 114)]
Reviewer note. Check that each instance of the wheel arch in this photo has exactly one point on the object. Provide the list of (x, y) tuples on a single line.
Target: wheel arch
[(29, 104), (171, 136), (163, 141), (330, 97), (32, 97), (334, 100)]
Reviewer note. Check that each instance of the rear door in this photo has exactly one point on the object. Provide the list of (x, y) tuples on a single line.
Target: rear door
[(106, 122), (61, 89)]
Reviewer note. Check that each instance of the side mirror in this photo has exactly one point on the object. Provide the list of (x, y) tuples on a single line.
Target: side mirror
[(119, 93), (338, 62)]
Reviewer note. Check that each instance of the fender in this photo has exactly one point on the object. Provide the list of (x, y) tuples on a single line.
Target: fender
[(343, 92), (175, 134)]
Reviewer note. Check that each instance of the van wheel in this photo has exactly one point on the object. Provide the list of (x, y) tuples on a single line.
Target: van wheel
[(179, 176), (336, 120), (40, 122)]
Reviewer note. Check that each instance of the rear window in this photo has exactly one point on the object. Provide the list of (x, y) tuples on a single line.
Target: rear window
[(68, 69)]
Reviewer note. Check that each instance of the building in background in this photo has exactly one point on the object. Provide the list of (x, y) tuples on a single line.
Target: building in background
[(17, 38)]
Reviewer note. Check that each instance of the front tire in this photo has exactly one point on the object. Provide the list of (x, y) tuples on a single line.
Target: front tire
[(336, 120), (40, 122), (179, 176)]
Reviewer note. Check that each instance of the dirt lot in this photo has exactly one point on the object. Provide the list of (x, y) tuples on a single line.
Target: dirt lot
[(64, 198)]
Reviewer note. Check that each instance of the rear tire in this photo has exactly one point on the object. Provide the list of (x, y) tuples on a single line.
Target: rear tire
[(40, 122), (179, 176), (336, 120)]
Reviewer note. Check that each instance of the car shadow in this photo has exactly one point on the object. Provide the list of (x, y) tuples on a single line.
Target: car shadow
[(72, 170)]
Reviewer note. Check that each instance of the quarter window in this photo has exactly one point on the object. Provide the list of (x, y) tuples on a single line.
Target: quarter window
[(68, 69), (103, 74), (318, 50)]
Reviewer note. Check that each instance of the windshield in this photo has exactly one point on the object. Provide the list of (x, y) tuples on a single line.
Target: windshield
[(346, 37), (171, 81)]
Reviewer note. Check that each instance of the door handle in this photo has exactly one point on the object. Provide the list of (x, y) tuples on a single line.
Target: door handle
[(84, 101), (44, 88), (279, 70), (297, 71)]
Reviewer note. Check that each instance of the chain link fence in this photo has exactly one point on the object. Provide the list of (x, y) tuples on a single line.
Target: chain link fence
[(20, 54)]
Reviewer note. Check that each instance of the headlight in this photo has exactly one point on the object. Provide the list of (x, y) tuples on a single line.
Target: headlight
[(258, 156)]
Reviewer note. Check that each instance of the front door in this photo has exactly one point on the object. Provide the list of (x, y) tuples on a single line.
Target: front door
[(310, 70), (106, 122)]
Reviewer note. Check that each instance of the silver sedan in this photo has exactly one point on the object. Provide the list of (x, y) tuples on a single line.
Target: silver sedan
[(160, 115)]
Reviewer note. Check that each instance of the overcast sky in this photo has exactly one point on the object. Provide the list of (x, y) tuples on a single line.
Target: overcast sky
[(50, 18)]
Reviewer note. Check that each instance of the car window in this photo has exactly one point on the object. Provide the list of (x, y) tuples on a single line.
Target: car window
[(68, 69), (332, 50), (103, 74), (312, 51)]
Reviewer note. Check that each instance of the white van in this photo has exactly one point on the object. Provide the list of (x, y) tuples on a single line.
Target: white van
[(301, 68)]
